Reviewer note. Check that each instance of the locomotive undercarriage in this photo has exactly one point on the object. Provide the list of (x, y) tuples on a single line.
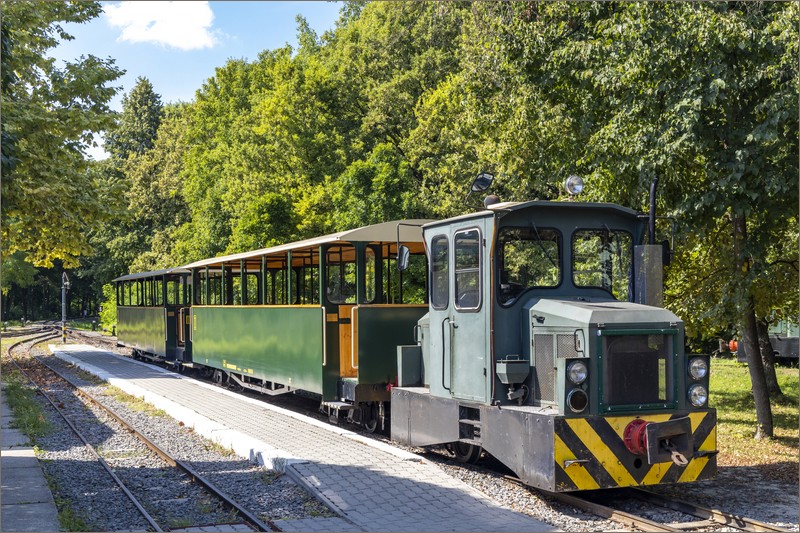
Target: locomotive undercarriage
[(558, 453)]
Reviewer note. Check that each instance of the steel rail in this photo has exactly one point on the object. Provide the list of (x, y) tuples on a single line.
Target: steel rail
[(80, 435), (208, 485), (603, 511), (714, 515)]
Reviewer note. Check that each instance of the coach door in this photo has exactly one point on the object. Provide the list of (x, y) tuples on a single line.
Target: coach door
[(340, 291)]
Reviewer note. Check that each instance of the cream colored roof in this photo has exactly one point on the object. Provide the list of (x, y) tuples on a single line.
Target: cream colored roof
[(410, 231)]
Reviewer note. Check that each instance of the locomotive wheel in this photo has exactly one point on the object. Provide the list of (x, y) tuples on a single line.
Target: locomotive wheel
[(466, 453)]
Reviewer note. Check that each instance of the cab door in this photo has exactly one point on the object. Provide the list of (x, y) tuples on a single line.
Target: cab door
[(459, 310), (469, 312)]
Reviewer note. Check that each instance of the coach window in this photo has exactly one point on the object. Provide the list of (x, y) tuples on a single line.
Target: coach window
[(369, 275), (341, 274), (467, 251), (440, 269)]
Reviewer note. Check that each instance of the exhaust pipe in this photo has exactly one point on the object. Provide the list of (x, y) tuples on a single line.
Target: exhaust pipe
[(652, 222)]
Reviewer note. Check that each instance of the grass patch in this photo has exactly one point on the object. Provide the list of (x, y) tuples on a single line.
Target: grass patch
[(67, 518), (134, 403), (28, 414), (212, 446), (731, 395)]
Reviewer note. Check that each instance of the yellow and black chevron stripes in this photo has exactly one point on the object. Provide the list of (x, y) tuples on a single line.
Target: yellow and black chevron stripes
[(590, 453)]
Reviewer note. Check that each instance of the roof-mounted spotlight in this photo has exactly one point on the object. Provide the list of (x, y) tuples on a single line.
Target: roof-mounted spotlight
[(574, 185)]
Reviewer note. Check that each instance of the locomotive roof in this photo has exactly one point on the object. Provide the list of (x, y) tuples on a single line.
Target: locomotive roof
[(410, 231), (151, 274), (502, 208)]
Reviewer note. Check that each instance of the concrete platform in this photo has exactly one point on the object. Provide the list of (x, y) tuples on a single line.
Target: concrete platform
[(26, 503), (371, 485)]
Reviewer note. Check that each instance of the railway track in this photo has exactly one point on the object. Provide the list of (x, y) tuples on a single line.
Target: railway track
[(43, 376), (607, 505)]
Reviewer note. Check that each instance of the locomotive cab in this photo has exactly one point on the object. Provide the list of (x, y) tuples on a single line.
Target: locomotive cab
[(545, 345)]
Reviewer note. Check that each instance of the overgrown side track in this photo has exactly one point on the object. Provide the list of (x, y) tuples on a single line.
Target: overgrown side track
[(40, 372)]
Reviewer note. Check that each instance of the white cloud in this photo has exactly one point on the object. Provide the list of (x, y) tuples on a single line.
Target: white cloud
[(182, 25)]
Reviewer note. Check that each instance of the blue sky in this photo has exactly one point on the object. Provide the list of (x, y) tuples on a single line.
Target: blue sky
[(177, 45)]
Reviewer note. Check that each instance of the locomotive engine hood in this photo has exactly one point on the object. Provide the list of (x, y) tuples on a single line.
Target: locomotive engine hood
[(591, 312)]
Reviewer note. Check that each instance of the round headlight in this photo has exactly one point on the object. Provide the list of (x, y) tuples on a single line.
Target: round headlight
[(577, 372), (577, 400), (574, 185), (698, 395), (698, 368)]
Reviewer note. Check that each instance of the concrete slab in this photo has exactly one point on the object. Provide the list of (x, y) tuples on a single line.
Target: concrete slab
[(12, 437), (17, 458), (26, 503), (24, 485), (30, 517), (371, 485)]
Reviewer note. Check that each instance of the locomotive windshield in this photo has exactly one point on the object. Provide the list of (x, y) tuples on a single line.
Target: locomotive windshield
[(603, 259), (528, 258)]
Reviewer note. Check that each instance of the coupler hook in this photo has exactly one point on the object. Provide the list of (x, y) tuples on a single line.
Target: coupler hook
[(677, 457)]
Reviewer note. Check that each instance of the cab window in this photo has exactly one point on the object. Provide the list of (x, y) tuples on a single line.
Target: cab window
[(467, 250), (603, 258), (440, 269), (528, 258)]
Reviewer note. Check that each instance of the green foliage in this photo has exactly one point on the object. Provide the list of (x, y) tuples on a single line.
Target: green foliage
[(50, 114), (17, 271), (108, 315)]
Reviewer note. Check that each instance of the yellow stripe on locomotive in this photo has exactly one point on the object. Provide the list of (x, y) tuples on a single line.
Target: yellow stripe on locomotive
[(590, 453)]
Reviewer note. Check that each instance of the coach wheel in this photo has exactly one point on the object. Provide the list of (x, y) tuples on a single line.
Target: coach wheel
[(369, 415), (466, 453)]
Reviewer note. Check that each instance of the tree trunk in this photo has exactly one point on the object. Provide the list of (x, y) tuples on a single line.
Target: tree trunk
[(768, 357), (764, 428)]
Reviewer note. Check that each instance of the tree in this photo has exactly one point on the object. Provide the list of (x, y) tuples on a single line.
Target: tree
[(703, 96), (50, 115), (142, 112)]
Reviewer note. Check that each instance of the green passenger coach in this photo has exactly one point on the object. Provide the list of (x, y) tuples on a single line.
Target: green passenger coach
[(152, 313), (323, 315)]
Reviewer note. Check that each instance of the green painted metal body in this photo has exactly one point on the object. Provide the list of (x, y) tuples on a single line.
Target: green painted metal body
[(281, 344), (381, 329), (143, 328)]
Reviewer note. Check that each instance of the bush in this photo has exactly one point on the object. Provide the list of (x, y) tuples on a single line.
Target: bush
[(108, 316)]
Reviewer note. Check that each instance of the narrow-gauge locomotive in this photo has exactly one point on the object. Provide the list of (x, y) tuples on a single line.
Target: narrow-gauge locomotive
[(532, 331)]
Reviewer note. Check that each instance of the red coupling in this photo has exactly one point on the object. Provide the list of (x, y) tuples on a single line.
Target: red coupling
[(635, 436)]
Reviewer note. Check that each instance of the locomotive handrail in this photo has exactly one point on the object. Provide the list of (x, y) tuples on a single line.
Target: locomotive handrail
[(166, 329), (446, 319)]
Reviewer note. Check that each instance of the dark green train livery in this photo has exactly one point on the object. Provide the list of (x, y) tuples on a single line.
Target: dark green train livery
[(323, 316), (531, 331)]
